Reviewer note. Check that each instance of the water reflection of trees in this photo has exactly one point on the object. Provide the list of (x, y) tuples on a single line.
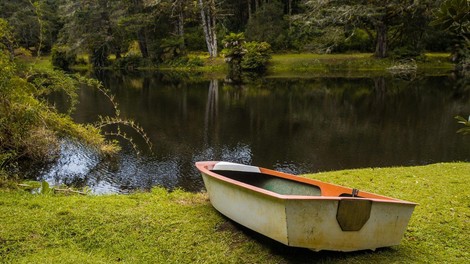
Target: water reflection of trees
[(300, 125), (333, 121), (212, 105)]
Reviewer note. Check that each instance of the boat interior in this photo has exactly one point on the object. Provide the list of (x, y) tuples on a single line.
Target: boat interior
[(270, 183), (286, 186)]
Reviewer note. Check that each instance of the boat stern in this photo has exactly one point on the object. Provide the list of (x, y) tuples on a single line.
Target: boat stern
[(320, 225)]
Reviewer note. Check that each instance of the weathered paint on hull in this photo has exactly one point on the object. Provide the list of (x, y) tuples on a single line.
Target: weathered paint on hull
[(265, 215), (308, 222), (312, 224)]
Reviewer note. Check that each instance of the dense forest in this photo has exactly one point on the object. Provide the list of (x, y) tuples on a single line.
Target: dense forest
[(165, 30)]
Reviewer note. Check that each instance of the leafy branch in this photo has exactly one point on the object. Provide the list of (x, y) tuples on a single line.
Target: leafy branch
[(117, 119), (466, 129), (108, 121), (42, 187)]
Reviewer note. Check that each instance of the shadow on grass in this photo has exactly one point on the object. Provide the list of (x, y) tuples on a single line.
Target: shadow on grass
[(303, 255)]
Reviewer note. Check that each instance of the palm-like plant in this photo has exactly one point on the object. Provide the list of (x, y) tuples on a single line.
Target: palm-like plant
[(454, 17)]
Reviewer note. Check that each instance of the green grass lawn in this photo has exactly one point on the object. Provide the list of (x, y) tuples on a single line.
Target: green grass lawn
[(180, 227), (357, 63)]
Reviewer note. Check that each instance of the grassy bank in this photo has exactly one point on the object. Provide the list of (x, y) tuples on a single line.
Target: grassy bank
[(179, 227), (359, 64), (351, 64)]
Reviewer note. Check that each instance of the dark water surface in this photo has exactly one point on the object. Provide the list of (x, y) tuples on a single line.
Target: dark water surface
[(297, 125)]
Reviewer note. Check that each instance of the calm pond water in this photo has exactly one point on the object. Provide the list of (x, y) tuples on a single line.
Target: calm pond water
[(297, 125)]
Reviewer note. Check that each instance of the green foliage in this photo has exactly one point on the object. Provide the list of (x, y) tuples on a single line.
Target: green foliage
[(105, 27), (268, 25), (257, 56), (357, 40), (395, 23), (241, 55), (35, 23), (233, 53), (466, 123), (43, 188), (404, 52), (130, 62), (133, 50), (194, 40), (454, 17), (62, 57), (29, 126), (233, 46), (171, 48), (114, 121), (186, 62), (89, 27), (6, 36)]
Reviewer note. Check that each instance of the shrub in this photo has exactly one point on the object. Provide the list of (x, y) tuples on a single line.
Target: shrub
[(405, 52), (233, 53), (128, 62), (186, 62), (257, 56), (171, 48), (62, 57), (357, 40), (248, 56)]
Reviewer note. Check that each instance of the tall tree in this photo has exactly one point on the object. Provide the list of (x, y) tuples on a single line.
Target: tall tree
[(135, 18), (155, 25), (34, 23), (454, 17), (89, 27), (267, 24), (382, 16), (208, 11), (178, 7)]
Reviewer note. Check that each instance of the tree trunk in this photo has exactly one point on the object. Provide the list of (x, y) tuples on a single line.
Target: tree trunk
[(290, 13), (212, 106), (179, 8), (99, 56), (213, 28), (142, 40), (249, 9), (209, 26), (382, 41), (181, 27)]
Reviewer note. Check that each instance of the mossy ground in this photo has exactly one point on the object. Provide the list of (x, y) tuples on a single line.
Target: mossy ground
[(180, 227)]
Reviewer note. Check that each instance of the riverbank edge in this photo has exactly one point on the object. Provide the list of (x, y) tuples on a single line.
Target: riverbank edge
[(302, 63), (181, 227)]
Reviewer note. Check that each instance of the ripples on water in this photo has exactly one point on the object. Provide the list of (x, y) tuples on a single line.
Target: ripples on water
[(80, 166), (291, 125)]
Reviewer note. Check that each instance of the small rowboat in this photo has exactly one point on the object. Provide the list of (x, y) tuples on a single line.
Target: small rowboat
[(302, 212)]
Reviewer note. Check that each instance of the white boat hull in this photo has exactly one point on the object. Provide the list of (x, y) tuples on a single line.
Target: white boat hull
[(309, 221)]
